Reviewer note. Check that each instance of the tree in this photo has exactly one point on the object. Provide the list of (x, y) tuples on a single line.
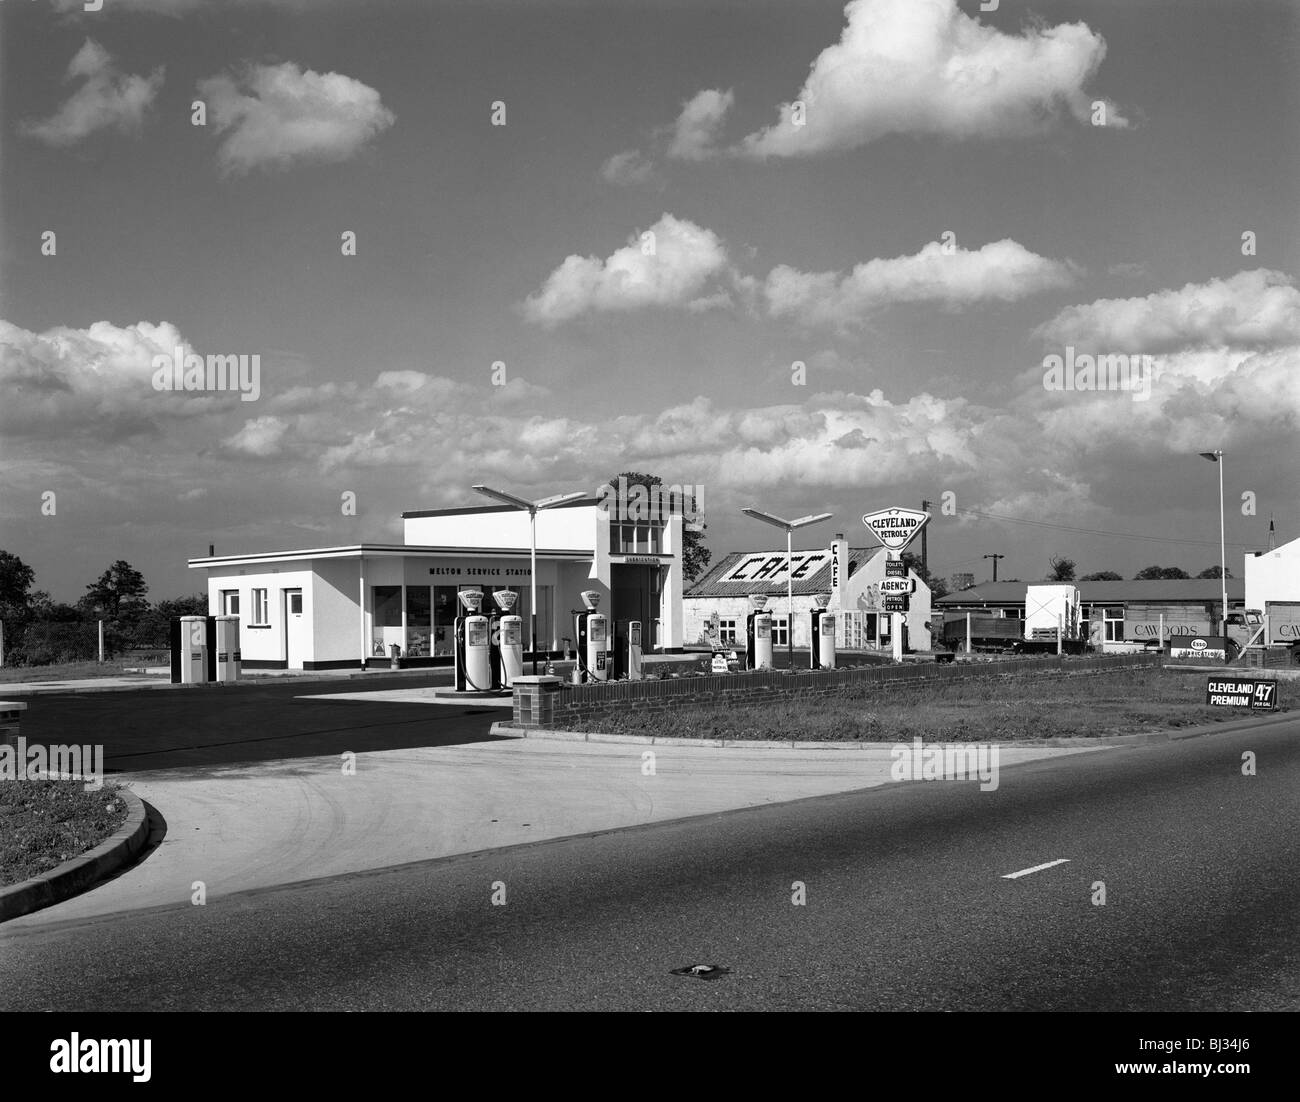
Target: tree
[(16, 579), (1102, 576), (118, 594), (1213, 572), (1062, 570), (695, 556), (1155, 573), (938, 587)]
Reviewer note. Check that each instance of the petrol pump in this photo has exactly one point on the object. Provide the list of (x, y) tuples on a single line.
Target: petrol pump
[(510, 636), (822, 635), (627, 650), (592, 631), (758, 635), (473, 645)]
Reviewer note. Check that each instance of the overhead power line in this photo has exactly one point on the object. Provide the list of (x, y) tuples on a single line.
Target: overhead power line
[(1092, 531)]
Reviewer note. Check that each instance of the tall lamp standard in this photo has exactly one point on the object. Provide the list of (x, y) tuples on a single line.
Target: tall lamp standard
[(1216, 456), (789, 526), (532, 507)]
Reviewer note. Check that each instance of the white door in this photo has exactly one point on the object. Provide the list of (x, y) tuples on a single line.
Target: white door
[(295, 629)]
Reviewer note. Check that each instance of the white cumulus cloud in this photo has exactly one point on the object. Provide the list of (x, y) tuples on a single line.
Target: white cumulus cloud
[(697, 127), (668, 268), (1253, 308), (107, 99), (276, 115), (999, 271), (926, 67)]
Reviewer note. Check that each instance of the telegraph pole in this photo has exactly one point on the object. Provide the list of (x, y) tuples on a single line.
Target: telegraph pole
[(995, 564), (925, 546)]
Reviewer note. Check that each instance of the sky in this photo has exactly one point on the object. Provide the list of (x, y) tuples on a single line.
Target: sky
[(809, 257)]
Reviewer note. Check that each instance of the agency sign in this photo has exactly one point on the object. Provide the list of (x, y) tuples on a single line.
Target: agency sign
[(895, 527)]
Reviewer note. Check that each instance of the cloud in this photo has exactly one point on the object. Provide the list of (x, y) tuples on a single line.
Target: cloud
[(627, 169), (1252, 308), (668, 268), (696, 128), (925, 67), (1001, 270), (261, 437), (276, 115), (107, 100)]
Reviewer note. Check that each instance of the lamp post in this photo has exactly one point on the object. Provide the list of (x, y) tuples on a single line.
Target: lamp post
[(532, 508), (1216, 456), (789, 526)]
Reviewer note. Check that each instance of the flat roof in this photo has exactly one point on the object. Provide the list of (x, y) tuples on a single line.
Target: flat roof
[(357, 550), (503, 508)]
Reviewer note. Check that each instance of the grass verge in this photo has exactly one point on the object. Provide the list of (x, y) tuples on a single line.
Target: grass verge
[(64, 671), (45, 823), (1022, 706)]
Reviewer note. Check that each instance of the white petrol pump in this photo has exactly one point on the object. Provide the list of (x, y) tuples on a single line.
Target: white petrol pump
[(758, 635), (592, 631), (509, 637), (473, 645), (822, 635)]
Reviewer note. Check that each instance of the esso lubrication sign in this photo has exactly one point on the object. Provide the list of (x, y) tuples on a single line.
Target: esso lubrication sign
[(895, 527)]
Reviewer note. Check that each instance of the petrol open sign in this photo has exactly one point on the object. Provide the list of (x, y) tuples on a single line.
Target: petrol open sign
[(1242, 692)]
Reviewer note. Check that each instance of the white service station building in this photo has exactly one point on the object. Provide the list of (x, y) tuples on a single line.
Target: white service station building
[(349, 606)]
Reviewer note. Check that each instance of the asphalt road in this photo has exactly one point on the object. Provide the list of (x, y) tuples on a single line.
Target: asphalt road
[(908, 908), (253, 721)]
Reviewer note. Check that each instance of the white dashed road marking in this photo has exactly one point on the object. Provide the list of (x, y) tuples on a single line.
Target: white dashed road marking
[(1036, 868)]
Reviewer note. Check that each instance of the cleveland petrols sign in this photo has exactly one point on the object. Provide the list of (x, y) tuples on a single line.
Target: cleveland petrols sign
[(895, 527)]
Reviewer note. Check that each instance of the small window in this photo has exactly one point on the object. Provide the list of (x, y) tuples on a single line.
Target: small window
[(727, 631), (295, 604), (230, 602), (259, 607)]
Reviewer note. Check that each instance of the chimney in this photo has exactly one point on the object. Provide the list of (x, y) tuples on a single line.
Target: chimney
[(212, 551)]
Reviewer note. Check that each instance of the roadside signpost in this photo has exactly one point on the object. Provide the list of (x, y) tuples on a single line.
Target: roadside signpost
[(1255, 693), (895, 529)]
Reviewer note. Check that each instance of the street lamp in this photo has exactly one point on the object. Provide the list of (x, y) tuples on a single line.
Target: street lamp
[(532, 507), (789, 526), (1216, 456)]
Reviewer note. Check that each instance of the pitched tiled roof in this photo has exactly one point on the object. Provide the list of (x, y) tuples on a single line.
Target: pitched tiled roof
[(817, 582), (1170, 590)]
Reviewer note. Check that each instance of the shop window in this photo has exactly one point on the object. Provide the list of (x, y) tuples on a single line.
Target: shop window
[(419, 623), (260, 608)]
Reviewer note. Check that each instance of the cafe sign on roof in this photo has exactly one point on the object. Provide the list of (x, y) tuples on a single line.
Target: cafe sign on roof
[(895, 527)]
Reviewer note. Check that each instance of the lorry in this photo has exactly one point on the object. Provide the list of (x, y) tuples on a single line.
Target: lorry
[(1053, 615), (1050, 609)]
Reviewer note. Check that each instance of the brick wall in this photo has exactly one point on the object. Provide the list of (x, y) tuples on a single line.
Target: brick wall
[(567, 704)]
